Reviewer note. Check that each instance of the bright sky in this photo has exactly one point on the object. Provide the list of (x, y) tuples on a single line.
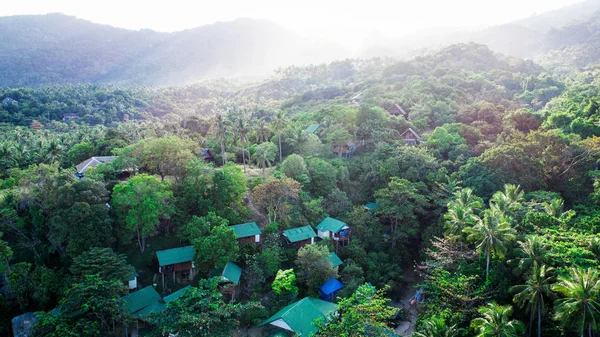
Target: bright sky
[(344, 21)]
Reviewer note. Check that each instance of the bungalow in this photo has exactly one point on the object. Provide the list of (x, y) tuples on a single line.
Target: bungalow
[(230, 279), (146, 301), (335, 260), (176, 261), (356, 99), (371, 207), (344, 149), (313, 128), (247, 232), (411, 137), (397, 110), (299, 316), (92, 162), (330, 289), (10, 101), (133, 279), (333, 229), (70, 116), (300, 236)]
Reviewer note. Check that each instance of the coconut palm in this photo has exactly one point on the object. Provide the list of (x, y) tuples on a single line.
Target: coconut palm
[(222, 127), (508, 201), (279, 123), (457, 219), (264, 155), (261, 131), (496, 322), (579, 309), (533, 251), (298, 139), (53, 151), (436, 327), (491, 233), (532, 294), (242, 128), (465, 198)]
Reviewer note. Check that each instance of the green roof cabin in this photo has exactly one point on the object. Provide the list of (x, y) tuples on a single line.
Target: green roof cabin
[(299, 316), (333, 229), (313, 128), (300, 236), (247, 232), (335, 260), (230, 278), (177, 261)]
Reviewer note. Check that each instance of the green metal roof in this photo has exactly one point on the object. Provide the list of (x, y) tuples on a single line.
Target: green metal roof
[(334, 259), (140, 299), (371, 206), (299, 234), (300, 315), (176, 294), (155, 307), (312, 128), (175, 255), (134, 273), (280, 333), (246, 229), (232, 272), (331, 224)]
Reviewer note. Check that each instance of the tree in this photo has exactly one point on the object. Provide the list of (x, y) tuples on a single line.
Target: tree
[(274, 195), (243, 128), (6, 252), (533, 252), (496, 322), (491, 233), (222, 128), (509, 201), (531, 295), (298, 139), (314, 267), (294, 167), (91, 308), (365, 313), (165, 156), (436, 327), (579, 309), (456, 220), (140, 203), (80, 152), (226, 193), (264, 155), (285, 282), (279, 123), (201, 311), (322, 175), (103, 262), (215, 249)]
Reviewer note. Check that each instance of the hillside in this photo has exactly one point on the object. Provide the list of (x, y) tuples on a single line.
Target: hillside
[(61, 49)]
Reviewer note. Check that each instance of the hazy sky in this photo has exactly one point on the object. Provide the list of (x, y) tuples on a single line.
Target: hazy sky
[(345, 21)]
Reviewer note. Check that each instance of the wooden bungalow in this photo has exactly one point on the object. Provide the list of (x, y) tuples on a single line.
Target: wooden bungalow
[(230, 279), (299, 316), (177, 261), (92, 162), (411, 137), (300, 236), (344, 149), (335, 260), (247, 233), (397, 110), (333, 229)]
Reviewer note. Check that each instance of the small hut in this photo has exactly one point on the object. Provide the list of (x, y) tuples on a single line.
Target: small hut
[(333, 229), (344, 149), (397, 110), (177, 261), (330, 289), (300, 236), (411, 137), (247, 233)]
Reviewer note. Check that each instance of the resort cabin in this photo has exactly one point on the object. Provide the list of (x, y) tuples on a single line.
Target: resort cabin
[(70, 116), (335, 260), (10, 101), (333, 229), (300, 236), (92, 162), (313, 128), (344, 149), (397, 110), (330, 289), (230, 279), (247, 232), (176, 261), (371, 207), (299, 316), (133, 279), (411, 137)]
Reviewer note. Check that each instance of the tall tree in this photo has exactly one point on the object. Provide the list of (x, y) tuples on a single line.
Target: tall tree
[(215, 248), (274, 195), (533, 251), (533, 293), (242, 128), (222, 128), (264, 155), (437, 327), (141, 203), (298, 139), (496, 322), (579, 309), (314, 266), (103, 262), (279, 123)]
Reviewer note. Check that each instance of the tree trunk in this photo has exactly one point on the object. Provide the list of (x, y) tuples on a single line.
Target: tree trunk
[(539, 322), (243, 155), (139, 240), (280, 155), (487, 266)]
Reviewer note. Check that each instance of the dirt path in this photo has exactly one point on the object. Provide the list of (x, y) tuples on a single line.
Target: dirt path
[(255, 214), (406, 328)]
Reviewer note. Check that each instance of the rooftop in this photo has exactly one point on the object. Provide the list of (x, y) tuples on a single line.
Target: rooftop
[(300, 315), (176, 294), (140, 299), (312, 128), (93, 162), (246, 229), (175, 255), (299, 233), (331, 224), (371, 206), (232, 272), (334, 259), (330, 286)]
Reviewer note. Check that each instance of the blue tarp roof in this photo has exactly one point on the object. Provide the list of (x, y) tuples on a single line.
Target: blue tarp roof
[(330, 286)]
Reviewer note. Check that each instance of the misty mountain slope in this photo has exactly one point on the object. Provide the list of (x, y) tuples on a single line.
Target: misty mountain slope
[(56, 48)]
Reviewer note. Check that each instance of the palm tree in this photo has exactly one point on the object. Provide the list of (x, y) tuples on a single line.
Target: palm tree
[(533, 251), (496, 322), (457, 219), (261, 131), (579, 308), (298, 139), (491, 233), (531, 295), (507, 201), (53, 151), (437, 327), (264, 155), (242, 128), (222, 128), (465, 198), (280, 122)]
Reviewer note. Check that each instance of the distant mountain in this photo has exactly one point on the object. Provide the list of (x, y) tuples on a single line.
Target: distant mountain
[(56, 48)]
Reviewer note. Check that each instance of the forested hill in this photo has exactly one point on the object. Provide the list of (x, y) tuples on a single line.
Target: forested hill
[(59, 49)]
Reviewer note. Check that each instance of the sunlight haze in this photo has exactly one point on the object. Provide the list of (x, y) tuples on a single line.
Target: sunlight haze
[(339, 21)]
